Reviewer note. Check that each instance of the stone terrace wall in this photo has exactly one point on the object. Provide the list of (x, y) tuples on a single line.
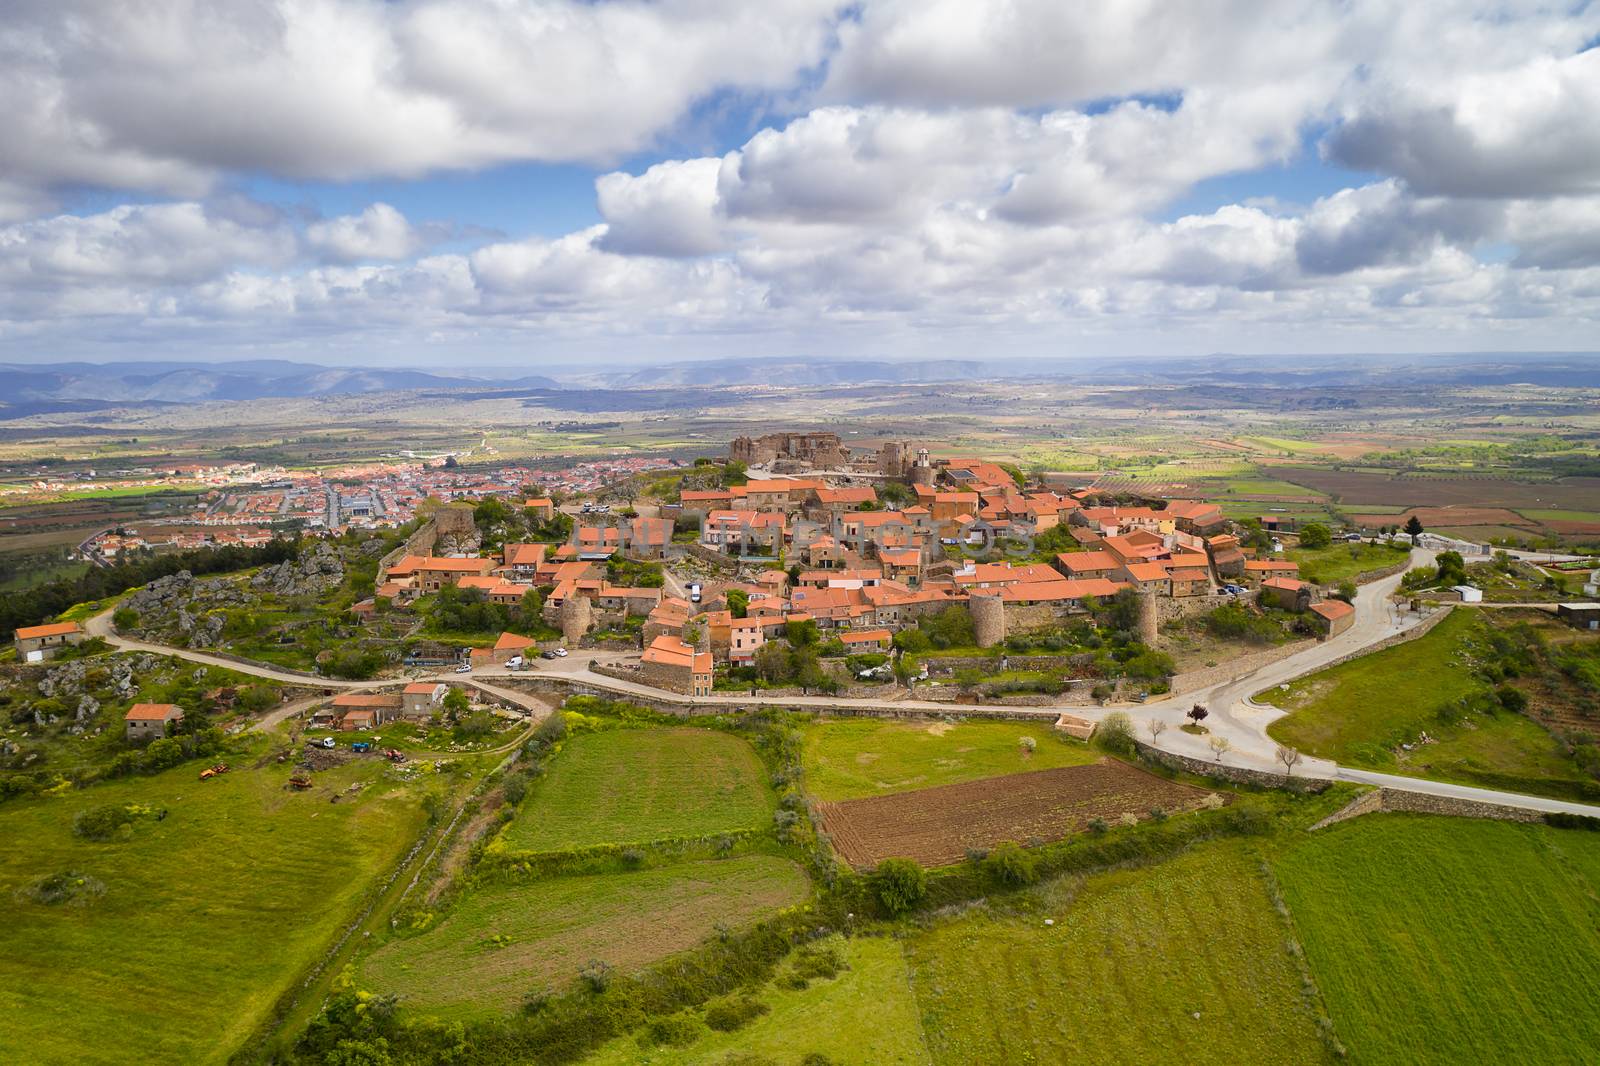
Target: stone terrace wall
[(1238, 774), (1368, 576), (1403, 800), (1190, 680)]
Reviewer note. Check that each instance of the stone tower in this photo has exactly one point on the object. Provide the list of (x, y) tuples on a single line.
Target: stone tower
[(922, 470), (988, 612), (575, 617), (1147, 617)]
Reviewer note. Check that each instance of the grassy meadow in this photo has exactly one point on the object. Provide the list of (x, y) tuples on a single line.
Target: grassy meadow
[(864, 1014), (630, 786), (1343, 561), (1358, 712), (1183, 961), (1445, 940), (500, 943), (848, 758), (203, 918)]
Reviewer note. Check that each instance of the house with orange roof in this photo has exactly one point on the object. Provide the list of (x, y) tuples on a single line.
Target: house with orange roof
[(433, 572), (522, 561), (509, 646), (1061, 594), (902, 564), (744, 532), (1333, 617), (857, 641), (671, 664), (149, 721), (35, 644), (825, 503), (1087, 564), (1286, 593), (542, 506), (1258, 570), (420, 698), (1196, 516), (1150, 577)]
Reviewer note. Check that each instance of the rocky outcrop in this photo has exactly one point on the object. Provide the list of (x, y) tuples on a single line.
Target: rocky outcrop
[(181, 606), (318, 570)]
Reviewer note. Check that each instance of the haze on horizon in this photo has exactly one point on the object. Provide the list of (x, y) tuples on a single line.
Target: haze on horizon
[(457, 183)]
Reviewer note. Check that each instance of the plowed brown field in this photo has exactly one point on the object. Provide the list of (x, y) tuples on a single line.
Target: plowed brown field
[(936, 826)]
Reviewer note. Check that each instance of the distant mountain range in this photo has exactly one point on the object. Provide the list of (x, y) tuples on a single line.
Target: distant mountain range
[(26, 389), (86, 387)]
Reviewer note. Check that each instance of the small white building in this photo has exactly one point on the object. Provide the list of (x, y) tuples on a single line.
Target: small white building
[(1469, 593)]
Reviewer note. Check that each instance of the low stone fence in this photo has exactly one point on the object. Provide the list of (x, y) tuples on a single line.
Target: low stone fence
[(1190, 680), (1368, 576), (1242, 775), (1404, 800)]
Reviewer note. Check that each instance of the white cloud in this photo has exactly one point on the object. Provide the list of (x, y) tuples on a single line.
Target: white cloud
[(169, 95), (379, 232)]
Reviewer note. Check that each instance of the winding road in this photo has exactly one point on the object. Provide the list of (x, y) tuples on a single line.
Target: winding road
[(1232, 712)]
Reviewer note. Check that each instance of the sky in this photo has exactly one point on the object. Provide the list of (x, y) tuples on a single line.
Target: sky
[(523, 183)]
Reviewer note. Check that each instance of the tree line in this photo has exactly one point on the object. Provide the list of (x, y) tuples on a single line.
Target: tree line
[(41, 603)]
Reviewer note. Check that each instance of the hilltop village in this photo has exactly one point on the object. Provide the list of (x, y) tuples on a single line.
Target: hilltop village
[(794, 542)]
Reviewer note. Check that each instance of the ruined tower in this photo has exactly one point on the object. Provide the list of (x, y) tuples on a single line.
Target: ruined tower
[(988, 612)]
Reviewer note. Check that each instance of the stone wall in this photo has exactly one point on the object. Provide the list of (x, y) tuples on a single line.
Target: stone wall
[(1368, 576), (1228, 669), (420, 542), (1170, 609), (1409, 802), (1238, 774), (712, 557)]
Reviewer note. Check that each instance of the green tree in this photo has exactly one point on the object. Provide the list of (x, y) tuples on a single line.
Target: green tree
[(802, 632), (899, 884), (738, 602), (1315, 535), (1011, 865), (456, 704), (1414, 526)]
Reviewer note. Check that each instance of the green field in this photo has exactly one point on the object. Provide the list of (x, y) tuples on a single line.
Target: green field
[(847, 758), (866, 1014), (1359, 712), (207, 916), (556, 926), (1133, 957), (628, 786), (1342, 562), (1444, 940)]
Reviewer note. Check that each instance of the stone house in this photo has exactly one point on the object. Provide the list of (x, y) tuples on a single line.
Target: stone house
[(671, 664), (38, 643), (420, 698), (149, 721)]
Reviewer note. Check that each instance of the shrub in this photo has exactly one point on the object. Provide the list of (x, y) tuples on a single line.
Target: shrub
[(1562, 820), (102, 823), (734, 1014), (1115, 733), (899, 884), (1098, 826), (1011, 865), (632, 858), (676, 1030), (162, 754), (596, 974), (1512, 698)]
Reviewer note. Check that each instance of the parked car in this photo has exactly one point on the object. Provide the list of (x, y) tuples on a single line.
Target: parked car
[(514, 663), (548, 654), (464, 668), (694, 592), (325, 742), (561, 653), (1353, 538)]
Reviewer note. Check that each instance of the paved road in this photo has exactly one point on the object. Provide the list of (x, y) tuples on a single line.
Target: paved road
[(1467, 792), (1232, 713)]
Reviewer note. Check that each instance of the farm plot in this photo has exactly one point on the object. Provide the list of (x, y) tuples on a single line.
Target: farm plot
[(504, 941), (850, 758), (936, 826), (1576, 493), (632, 786)]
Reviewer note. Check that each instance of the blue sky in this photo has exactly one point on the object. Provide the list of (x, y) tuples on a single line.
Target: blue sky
[(553, 179)]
